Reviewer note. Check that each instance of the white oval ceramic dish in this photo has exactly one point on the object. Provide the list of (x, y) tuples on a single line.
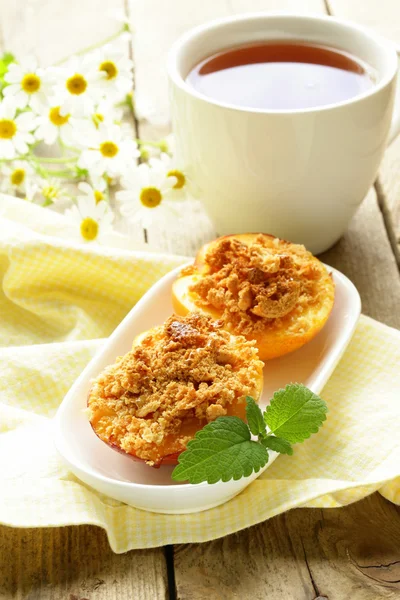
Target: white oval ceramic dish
[(141, 486)]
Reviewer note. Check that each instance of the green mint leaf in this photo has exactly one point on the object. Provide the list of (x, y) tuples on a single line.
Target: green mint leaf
[(277, 444), (255, 419), (221, 451), (295, 413)]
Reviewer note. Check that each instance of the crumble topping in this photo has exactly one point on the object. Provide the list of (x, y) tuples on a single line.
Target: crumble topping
[(267, 284), (179, 376)]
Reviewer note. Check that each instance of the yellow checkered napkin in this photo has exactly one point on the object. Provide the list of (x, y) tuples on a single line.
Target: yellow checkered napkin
[(58, 298)]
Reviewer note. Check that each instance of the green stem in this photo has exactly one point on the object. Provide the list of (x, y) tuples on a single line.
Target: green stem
[(66, 173), (154, 144), (63, 160), (107, 40), (14, 159)]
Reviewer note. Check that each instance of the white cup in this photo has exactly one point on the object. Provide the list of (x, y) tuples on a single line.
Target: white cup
[(298, 174)]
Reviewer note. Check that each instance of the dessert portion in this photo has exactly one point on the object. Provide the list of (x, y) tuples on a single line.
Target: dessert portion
[(178, 377), (266, 289)]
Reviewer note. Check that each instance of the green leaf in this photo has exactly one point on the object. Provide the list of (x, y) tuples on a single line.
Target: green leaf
[(295, 413), (5, 60), (221, 451), (254, 416), (277, 444)]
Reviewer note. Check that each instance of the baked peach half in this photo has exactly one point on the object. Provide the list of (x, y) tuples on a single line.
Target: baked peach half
[(264, 288), (178, 377)]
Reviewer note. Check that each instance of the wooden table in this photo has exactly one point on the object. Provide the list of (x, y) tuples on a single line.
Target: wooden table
[(352, 552)]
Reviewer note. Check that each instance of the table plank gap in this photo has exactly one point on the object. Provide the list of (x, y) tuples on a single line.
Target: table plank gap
[(132, 57), (331, 554), (388, 219), (169, 559), (383, 17)]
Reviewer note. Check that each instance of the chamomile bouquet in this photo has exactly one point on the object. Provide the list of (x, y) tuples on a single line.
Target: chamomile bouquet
[(67, 143)]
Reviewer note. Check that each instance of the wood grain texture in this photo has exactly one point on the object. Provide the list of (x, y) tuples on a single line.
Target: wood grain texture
[(364, 255), (76, 563), (333, 554), (53, 29), (383, 17), (71, 563)]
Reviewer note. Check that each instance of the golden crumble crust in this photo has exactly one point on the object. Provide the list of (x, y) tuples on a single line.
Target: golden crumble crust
[(261, 286), (176, 378)]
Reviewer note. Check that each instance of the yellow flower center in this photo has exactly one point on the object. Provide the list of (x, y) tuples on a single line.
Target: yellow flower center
[(89, 229), (109, 68), (76, 84), (50, 192), (17, 177), (7, 129), (109, 149), (55, 117), (150, 197), (98, 196), (30, 83), (180, 178)]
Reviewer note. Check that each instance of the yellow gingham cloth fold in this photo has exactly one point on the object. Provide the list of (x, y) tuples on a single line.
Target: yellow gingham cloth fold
[(59, 298)]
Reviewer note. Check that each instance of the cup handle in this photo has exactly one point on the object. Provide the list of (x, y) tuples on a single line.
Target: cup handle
[(395, 126)]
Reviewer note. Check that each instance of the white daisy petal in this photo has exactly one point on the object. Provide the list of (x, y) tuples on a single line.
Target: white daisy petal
[(26, 121), (7, 149)]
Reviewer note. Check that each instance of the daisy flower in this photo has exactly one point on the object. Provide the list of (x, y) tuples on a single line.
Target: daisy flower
[(28, 84), (15, 131), (94, 194), (77, 86), (93, 220), (106, 114), (52, 123), (148, 193), (15, 176), (108, 152), (173, 169), (115, 71), (52, 192)]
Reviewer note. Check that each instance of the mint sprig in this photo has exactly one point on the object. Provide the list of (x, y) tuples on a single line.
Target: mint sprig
[(295, 413), (223, 450)]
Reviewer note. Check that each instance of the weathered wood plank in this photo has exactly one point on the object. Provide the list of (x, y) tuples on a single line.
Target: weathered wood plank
[(72, 563), (383, 17), (53, 30), (364, 255), (329, 554), (76, 563)]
